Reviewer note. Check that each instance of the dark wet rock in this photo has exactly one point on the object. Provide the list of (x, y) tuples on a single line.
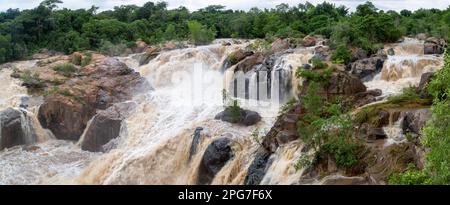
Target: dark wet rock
[(216, 155), (364, 98), (376, 133), (415, 120), (244, 117), (391, 52), (434, 45), (257, 169), (196, 138), (367, 68), (15, 128), (105, 126)]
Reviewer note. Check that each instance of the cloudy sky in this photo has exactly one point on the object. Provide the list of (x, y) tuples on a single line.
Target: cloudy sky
[(233, 4)]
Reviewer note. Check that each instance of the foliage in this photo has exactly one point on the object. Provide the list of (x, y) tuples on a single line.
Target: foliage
[(47, 26), (87, 58), (199, 34), (31, 79), (409, 94), (108, 48), (236, 111), (66, 69), (317, 63), (341, 55)]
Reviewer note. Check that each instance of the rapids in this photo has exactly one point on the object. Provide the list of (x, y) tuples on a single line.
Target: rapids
[(154, 144)]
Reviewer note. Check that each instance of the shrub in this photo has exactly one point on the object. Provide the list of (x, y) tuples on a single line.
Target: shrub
[(86, 59), (317, 63), (110, 49), (341, 55), (409, 94), (66, 69)]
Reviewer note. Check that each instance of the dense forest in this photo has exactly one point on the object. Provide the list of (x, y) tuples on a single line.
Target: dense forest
[(47, 26)]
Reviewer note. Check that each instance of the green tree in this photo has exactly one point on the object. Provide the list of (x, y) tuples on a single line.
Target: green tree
[(199, 34)]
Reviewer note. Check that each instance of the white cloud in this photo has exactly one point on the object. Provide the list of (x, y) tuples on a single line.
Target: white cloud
[(231, 4)]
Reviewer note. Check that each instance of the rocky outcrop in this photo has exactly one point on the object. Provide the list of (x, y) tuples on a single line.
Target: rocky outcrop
[(280, 45), (364, 98), (238, 55), (105, 126), (434, 45), (339, 83), (199, 134), (149, 54), (15, 128), (241, 116), (249, 62), (358, 54), (367, 68), (309, 41), (216, 155), (68, 107)]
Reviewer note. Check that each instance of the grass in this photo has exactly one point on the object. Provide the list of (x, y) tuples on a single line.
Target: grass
[(66, 69)]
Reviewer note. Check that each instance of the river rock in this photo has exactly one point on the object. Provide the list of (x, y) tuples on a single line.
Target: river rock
[(250, 62), (140, 46), (105, 126), (257, 169), (358, 54), (375, 133), (434, 45), (415, 120), (367, 68), (199, 134), (216, 155), (340, 83), (15, 128), (245, 117)]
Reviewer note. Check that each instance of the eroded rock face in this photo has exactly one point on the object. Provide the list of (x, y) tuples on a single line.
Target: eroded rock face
[(238, 55), (280, 45), (216, 155), (15, 128), (99, 85), (425, 78), (105, 126), (367, 68)]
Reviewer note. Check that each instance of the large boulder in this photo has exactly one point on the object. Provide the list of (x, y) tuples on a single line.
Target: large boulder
[(216, 155), (249, 62), (15, 128), (105, 126), (367, 68), (358, 54), (280, 45), (64, 116), (238, 55), (140, 46), (434, 45), (415, 120), (243, 117)]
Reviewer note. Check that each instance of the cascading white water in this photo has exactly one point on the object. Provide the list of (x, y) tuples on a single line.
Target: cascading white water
[(404, 68)]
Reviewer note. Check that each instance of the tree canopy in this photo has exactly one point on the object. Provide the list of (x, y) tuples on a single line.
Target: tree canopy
[(48, 26)]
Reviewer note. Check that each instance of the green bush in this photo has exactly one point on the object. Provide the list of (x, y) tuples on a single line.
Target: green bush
[(86, 59), (341, 55), (409, 94), (317, 63), (66, 69)]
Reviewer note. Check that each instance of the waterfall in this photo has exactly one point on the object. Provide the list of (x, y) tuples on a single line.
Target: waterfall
[(404, 68)]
